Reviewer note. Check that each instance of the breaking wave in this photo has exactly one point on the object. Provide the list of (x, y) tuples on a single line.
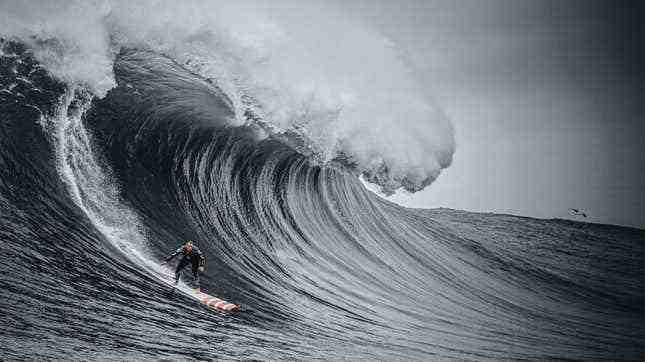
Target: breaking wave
[(131, 129)]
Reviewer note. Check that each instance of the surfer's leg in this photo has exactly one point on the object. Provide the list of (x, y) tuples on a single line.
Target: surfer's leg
[(196, 274), (182, 264)]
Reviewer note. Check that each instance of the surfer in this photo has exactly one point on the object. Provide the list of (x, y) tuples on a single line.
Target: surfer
[(191, 255)]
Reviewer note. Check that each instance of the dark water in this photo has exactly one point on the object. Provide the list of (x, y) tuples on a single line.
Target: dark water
[(93, 193)]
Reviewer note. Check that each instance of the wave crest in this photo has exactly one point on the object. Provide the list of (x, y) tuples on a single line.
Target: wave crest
[(352, 98)]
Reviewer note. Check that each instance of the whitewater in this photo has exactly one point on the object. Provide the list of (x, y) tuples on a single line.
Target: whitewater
[(129, 128)]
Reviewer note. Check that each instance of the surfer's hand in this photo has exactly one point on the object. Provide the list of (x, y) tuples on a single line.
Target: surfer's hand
[(201, 269)]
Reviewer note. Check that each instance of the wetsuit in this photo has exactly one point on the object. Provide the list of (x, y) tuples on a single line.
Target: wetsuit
[(194, 257)]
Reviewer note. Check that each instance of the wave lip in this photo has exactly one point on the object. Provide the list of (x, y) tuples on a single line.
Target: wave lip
[(302, 83)]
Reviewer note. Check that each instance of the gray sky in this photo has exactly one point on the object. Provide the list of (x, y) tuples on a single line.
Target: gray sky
[(547, 99)]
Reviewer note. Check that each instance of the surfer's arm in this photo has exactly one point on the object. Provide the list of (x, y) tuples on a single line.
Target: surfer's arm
[(202, 260), (174, 254)]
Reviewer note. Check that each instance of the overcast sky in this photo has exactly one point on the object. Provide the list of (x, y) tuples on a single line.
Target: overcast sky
[(547, 99)]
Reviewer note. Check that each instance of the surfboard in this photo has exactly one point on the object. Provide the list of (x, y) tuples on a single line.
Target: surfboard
[(210, 301), (216, 303)]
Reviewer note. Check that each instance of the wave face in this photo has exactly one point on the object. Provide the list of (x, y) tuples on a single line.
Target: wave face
[(95, 191)]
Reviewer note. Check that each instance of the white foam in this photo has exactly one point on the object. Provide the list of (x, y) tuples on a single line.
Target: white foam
[(91, 186), (308, 67)]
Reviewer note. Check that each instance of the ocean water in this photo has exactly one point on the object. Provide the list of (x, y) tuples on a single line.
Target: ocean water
[(96, 190)]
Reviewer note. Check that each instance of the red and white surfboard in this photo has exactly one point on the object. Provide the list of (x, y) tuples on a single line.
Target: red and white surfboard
[(216, 303), (208, 300)]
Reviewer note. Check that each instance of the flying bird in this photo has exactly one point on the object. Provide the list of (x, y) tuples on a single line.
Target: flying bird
[(577, 212)]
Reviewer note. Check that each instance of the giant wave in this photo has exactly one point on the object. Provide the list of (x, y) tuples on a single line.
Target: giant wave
[(97, 184)]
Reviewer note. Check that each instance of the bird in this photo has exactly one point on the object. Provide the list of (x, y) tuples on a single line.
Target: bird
[(577, 212)]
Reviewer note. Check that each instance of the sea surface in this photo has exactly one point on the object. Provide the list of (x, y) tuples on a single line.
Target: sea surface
[(96, 191)]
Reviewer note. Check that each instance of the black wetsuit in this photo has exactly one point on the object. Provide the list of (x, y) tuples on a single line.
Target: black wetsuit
[(194, 257)]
